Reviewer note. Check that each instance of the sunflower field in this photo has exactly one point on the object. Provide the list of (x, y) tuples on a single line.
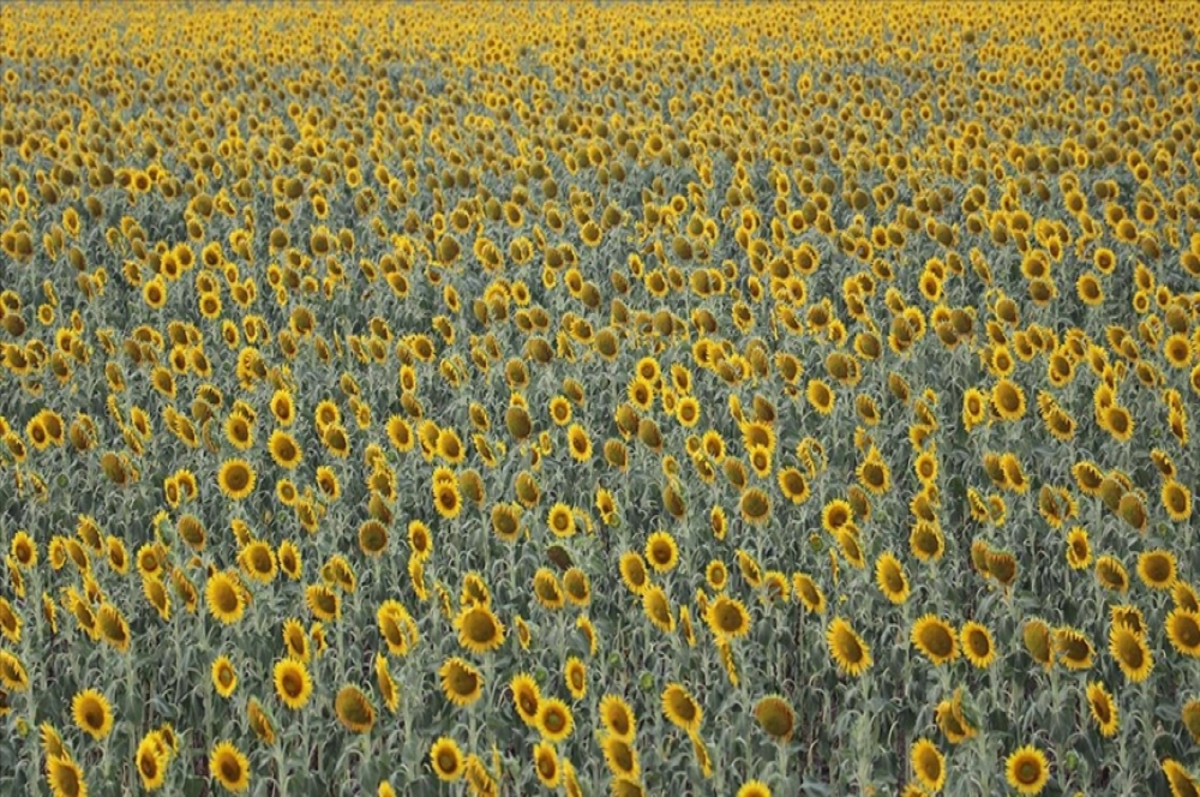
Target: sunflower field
[(530, 398)]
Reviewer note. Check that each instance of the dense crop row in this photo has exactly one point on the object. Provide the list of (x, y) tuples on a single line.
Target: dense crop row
[(649, 399)]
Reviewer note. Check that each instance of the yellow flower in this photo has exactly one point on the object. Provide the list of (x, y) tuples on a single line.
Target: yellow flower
[(92, 713), (230, 767), (1027, 770)]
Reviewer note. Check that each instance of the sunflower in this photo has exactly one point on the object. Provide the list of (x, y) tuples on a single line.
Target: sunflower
[(92, 713), (223, 594), (1183, 630), (633, 572), (727, 618), (662, 553), (1008, 399), (890, 577), (681, 708), (446, 758), (820, 396), (1156, 569), (259, 722), (1177, 498), (447, 500), (293, 684), (929, 765), (620, 756), (66, 777), (462, 684), (526, 698), (151, 762), (776, 717), (1131, 652), (575, 675), (952, 721), (545, 763), (1112, 574), (547, 589), (353, 709), (754, 788), (1027, 770), (849, 651), (977, 644), (1103, 709), (1129, 616), (926, 541), (1074, 648), (230, 767), (1180, 781), (935, 638), (236, 479), (1079, 551), (617, 717), (224, 676), (809, 593), (657, 608), (479, 630), (554, 720), (1191, 718), (755, 506)]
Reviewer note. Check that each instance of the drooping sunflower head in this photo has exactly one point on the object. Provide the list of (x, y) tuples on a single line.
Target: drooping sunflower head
[(354, 710), (776, 717)]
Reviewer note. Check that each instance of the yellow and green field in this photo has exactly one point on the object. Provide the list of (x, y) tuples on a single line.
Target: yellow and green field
[(530, 398)]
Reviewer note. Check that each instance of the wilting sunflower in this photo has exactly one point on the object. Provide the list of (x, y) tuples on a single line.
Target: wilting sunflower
[(92, 713), (259, 722), (929, 765), (66, 777), (977, 644), (1183, 630), (776, 717), (446, 758), (952, 720), (554, 719), (236, 479), (462, 684), (935, 638), (617, 717), (1037, 639), (224, 676), (681, 708), (354, 709), (1103, 709), (755, 506), (230, 767), (1027, 770), (1131, 652), (293, 684), (889, 575), (479, 631), (727, 617), (847, 648)]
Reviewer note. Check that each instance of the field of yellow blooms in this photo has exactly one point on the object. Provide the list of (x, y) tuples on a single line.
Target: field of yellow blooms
[(631, 399)]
